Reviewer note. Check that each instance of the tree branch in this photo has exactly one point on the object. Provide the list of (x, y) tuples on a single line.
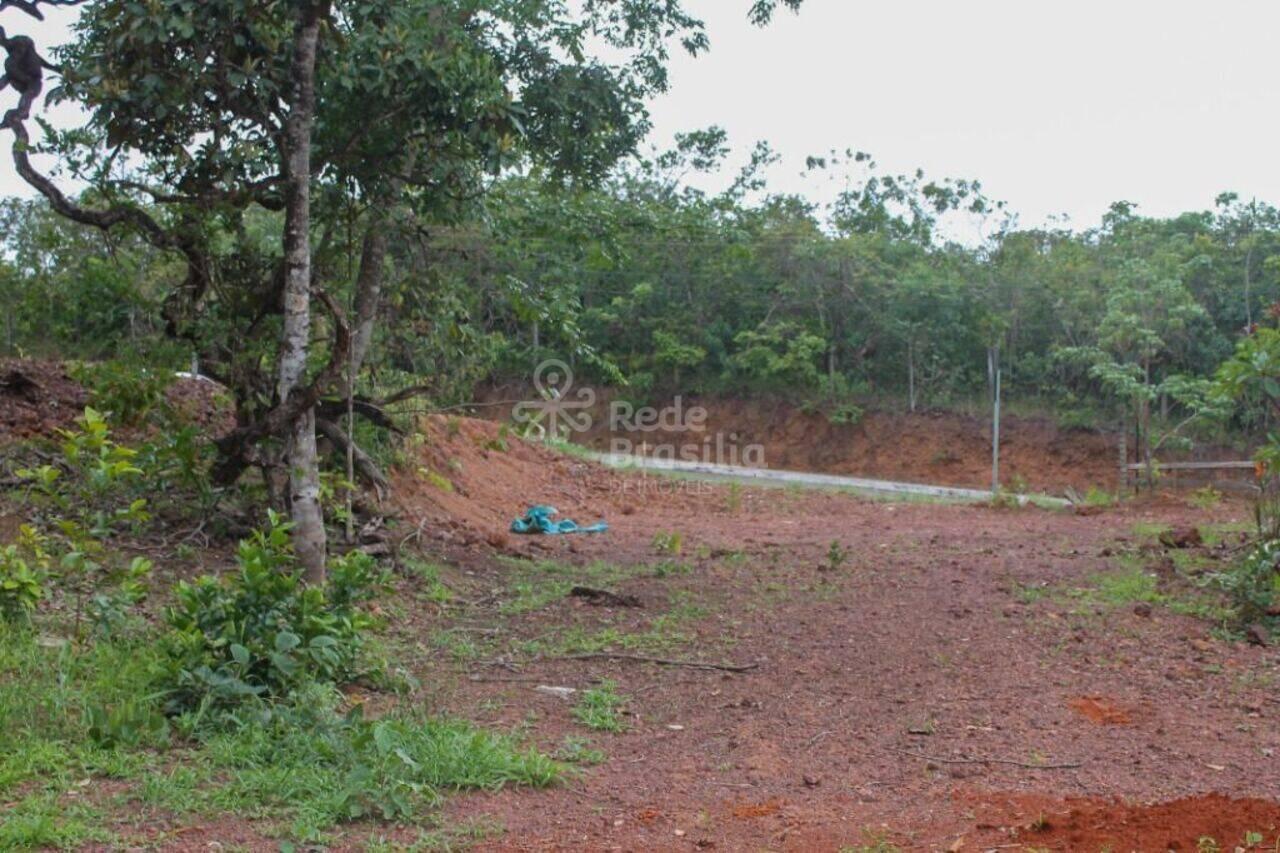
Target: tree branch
[(234, 446), (102, 219), (32, 7), (364, 464)]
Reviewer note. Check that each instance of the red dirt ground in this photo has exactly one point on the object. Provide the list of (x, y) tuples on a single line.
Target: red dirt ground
[(944, 686), (1101, 711), (915, 693), (37, 398), (1085, 824)]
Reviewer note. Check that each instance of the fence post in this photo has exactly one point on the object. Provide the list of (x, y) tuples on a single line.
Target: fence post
[(1124, 462)]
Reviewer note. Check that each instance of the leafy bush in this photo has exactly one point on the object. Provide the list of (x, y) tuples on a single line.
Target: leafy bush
[(1253, 583), (96, 496), (779, 357), (110, 605), (23, 565), (1206, 498), (262, 632), (668, 542)]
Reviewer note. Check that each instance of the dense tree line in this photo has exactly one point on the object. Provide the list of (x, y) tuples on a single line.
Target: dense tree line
[(658, 288)]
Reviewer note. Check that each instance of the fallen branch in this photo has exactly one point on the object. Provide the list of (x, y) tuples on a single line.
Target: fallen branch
[(1071, 765), (604, 597), (691, 664)]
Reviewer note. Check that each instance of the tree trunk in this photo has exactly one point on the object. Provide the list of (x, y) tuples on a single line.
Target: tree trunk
[(368, 296), (911, 376), (300, 456)]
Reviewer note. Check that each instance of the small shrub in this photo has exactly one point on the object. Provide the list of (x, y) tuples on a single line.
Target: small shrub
[(1252, 583), (1206, 498), (101, 475), (846, 414), (1004, 499), (669, 568), (23, 566), (261, 632), (733, 501), (576, 750), (499, 444), (671, 542), (110, 606), (1097, 497), (440, 481), (836, 556), (131, 723)]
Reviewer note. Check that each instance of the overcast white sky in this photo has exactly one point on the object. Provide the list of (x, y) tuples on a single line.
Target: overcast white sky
[(1056, 107)]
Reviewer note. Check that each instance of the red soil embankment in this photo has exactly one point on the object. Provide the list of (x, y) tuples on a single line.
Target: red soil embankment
[(943, 448)]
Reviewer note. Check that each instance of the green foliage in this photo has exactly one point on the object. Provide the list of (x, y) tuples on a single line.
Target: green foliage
[(261, 632), (846, 414), (600, 708), (1253, 582), (837, 556), (1097, 497), (576, 750), (668, 542), (23, 567), (324, 768), (128, 393), (1206, 497), (437, 480), (70, 714), (76, 514), (778, 357)]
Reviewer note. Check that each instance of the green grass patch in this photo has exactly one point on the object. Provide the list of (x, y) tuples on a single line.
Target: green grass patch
[(578, 750), (600, 708), (428, 575), (537, 584), (1150, 530), (1130, 583), (72, 715)]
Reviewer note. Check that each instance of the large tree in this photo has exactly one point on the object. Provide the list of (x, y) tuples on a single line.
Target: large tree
[(251, 138)]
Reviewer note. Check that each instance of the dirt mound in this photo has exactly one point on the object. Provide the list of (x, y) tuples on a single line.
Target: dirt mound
[(1183, 824), (203, 403), (935, 447), (37, 398)]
